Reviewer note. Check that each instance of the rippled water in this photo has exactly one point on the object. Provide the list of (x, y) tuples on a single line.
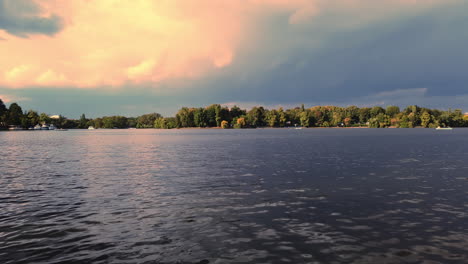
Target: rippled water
[(234, 196)]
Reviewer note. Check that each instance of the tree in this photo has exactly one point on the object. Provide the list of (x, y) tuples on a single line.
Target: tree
[(200, 117), (256, 116), (352, 112), (412, 120), (83, 121), (147, 121), (281, 117), (211, 114), (337, 117), (347, 121), (3, 108), (44, 118), (224, 124), (404, 122), (425, 119), (271, 118), (305, 119), (240, 123), (383, 120), (374, 123), (3, 115), (236, 112), (374, 111), (111, 122), (185, 117), (15, 114), (364, 115), (392, 110)]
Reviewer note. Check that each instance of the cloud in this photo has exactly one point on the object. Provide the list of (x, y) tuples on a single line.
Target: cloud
[(25, 17), (16, 72), (113, 43), (142, 69), (13, 98), (50, 77), (163, 55)]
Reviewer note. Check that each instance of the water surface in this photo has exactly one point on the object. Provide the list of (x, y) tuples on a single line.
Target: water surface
[(234, 196)]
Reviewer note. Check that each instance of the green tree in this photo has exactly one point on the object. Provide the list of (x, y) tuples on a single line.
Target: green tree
[(425, 119), (404, 122), (33, 117), (383, 120), (271, 118), (392, 111), (256, 116), (212, 113), (305, 119), (147, 121), (185, 117), (44, 118), (236, 112), (352, 112), (3, 114), (412, 120), (374, 122), (281, 117), (83, 121), (15, 114), (374, 111), (3, 108), (364, 115), (200, 117)]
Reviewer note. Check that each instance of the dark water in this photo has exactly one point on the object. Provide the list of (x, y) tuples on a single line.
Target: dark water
[(234, 196)]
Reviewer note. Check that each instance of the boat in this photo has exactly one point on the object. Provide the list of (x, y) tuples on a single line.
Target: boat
[(37, 127), (298, 127), (52, 127), (15, 128), (443, 128), (45, 127), (91, 128), (61, 129)]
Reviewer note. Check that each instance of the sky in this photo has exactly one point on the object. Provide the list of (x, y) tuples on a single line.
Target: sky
[(130, 57)]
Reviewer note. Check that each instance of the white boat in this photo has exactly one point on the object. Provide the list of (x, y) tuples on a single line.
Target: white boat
[(443, 128), (45, 127), (91, 128), (52, 127), (15, 128), (37, 127)]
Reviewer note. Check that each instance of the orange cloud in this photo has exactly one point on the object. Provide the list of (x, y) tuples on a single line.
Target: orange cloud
[(114, 42)]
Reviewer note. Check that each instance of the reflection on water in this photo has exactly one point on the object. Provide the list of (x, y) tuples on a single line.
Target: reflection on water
[(234, 196)]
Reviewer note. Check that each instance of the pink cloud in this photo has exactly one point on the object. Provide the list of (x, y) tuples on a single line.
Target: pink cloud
[(114, 42), (12, 98)]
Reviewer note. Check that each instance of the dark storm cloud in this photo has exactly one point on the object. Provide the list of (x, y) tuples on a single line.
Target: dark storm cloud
[(21, 18), (427, 50)]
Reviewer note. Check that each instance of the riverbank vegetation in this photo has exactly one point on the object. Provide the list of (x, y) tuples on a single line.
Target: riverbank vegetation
[(220, 116)]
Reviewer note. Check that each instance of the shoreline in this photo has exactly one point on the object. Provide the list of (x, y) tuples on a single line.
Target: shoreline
[(218, 128)]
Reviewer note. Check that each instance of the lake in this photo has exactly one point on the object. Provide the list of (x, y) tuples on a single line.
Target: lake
[(234, 196)]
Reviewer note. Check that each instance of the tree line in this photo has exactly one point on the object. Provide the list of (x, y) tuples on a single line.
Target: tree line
[(216, 115)]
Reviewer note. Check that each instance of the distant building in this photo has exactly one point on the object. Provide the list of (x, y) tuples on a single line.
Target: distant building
[(55, 116)]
